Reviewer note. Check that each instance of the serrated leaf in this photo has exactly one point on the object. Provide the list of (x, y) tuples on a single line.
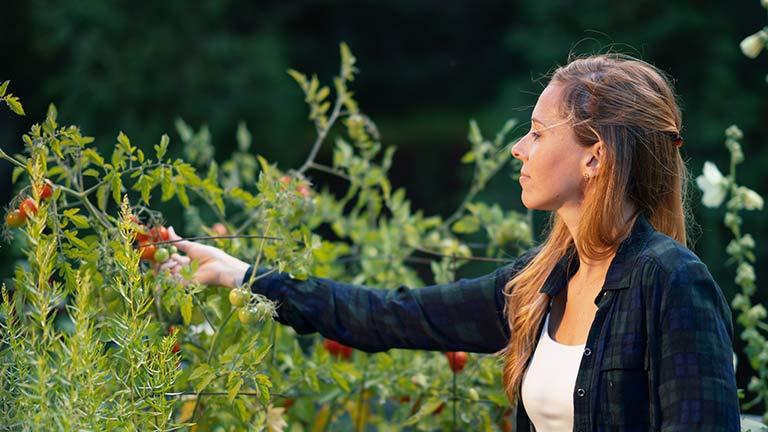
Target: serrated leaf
[(167, 187), (181, 192), (14, 104), (4, 87), (203, 374), (117, 188), (94, 157), (234, 382)]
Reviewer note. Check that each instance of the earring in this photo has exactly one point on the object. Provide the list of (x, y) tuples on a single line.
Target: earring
[(586, 177)]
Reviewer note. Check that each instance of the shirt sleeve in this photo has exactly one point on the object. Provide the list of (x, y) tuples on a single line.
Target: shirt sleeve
[(465, 315), (697, 383)]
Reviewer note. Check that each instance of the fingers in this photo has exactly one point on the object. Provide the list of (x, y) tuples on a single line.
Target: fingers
[(183, 245)]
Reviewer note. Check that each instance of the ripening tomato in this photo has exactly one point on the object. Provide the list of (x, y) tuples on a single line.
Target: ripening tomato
[(14, 219), (304, 190), (219, 229), (337, 349), (47, 190), (238, 297), (28, 208), (457, 360), (285, 179), (148, 252), (159, 233)]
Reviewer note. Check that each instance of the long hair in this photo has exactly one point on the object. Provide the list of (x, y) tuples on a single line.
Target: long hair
[(631, 106)]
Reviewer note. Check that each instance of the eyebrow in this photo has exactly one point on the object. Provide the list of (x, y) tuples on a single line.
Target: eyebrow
[(533, 119)]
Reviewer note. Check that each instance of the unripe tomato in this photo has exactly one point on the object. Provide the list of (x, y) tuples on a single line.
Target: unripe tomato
[(337, 349), (47, 190), (28, 208), (238, 297), (148, 252), (246, 316), (14, 219), (473, 394), (173, 249), (161, 255), (457, 360)]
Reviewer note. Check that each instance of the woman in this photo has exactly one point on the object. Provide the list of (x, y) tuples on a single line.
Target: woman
[(611, 323)]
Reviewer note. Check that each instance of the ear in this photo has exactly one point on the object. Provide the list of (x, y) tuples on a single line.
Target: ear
[(593, 158)]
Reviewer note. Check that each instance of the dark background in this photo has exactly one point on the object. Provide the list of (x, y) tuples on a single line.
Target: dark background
[(426, 68)]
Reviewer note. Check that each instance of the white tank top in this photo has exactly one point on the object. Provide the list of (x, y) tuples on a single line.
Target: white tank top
[(548, 383)]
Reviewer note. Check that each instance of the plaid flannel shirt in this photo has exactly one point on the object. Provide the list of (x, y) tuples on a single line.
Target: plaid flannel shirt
[(658, 355)]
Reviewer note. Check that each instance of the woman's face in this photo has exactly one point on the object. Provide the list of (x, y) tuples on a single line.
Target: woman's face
[(554, 164)]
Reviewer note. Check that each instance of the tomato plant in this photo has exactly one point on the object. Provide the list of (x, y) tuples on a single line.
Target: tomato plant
[(98, 231)]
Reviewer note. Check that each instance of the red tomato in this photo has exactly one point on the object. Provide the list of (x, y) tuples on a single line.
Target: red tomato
[(176, 348), (148, 252), (47, 190), (288, 403), (28, 208), (285, 179), (337, 349), (159, 233), (457, 360), (14, 219)]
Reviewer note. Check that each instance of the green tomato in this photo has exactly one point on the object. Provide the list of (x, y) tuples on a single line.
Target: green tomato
[(161, 255), (247, 316), (238, 297), (172, 250)]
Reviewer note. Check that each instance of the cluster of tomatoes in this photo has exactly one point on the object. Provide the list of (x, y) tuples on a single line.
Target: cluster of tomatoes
[(18, 217), (302, 188), (337, 349), (151, 252), (241, 298)]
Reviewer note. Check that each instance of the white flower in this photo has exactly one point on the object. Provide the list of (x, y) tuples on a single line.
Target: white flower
[(713, 184), (752, 200), (201, 328), (753, 44)]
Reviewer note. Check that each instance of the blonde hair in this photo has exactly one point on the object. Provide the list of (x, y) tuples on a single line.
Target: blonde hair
[(631, 106)]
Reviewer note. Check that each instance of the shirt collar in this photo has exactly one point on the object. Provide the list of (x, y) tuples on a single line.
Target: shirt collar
[(618, 272)]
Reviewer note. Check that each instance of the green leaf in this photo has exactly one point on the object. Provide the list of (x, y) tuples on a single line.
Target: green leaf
[(468, 157), (3, 88), (162, 148), (426, 409), (16, 173), (181, 192), (117, 188), (466, 225), (14, 104), (203, 374), (167, 186), (186, 309), (339, 379), (102, 195), (234, 382), (94, 157)]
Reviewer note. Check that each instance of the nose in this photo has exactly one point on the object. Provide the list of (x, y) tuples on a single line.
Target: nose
[(517, 149)]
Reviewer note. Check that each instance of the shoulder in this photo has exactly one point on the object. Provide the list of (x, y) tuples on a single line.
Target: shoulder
[(677, 277)]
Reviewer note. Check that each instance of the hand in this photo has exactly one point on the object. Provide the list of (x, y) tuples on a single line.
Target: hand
[(215, 267)]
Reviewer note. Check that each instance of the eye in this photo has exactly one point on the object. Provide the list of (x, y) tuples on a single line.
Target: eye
[(535, 135)]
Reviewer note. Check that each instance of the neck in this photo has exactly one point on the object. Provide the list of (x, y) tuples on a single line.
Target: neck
[(592, 268)]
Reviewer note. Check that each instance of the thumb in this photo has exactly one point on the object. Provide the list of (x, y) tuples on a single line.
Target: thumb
[(183, 245)]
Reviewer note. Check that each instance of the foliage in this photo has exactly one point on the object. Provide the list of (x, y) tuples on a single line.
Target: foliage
[(94, 338)]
